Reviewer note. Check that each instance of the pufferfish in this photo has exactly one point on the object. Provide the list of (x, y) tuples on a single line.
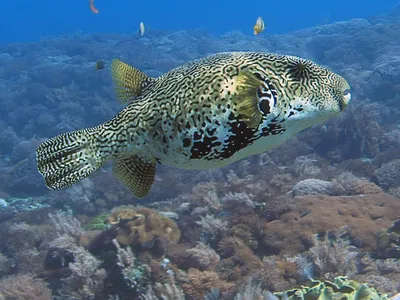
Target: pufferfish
[(204, 114)]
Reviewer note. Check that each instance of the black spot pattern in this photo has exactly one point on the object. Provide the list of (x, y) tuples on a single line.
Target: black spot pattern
[(203, 148), (240, 136), (180, 114), (186, 142), (264, 107)]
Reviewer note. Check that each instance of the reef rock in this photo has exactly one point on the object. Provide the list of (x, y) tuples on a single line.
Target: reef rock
[(365, 215)]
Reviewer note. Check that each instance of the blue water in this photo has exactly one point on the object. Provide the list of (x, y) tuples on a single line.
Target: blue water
[(27, 20)]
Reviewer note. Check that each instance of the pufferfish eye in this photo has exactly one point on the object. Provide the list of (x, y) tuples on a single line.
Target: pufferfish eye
[(347, 95)]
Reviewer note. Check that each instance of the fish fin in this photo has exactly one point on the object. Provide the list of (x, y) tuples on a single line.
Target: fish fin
[(69, 158), (245, 98), (129, 81), (136, 172)]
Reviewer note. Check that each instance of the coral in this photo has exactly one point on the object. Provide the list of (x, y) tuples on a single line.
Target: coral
[(201, 282), (365, 215), (142, 227), (23, 204), (30, 260), (213, 226), (388, 174), (314, 187), (65, 224), (202, 257), (238, 259), (236, 199), (86, 277), (25, 245), (305, 167), (97, 223), (383, 284), (134, 273), (333, 257), (254, 291), (348, 184), (388, 241), (166, 291), (339, 288), (244, 232), (24, 287), (275, 273), (5, 265)]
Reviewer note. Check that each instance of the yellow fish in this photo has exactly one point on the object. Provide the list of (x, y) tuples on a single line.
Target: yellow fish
[(259, 27), (99, 65)]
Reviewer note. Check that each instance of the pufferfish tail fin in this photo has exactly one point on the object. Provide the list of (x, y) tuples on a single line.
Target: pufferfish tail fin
[(129, 82), (70, 157)]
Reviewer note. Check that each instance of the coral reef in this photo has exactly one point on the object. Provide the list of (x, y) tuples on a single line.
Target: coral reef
[(143, 227), (388, 241), (340, 288), (291, 221), (24, 287)]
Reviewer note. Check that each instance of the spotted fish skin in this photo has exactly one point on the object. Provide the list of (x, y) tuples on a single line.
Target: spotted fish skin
[(204, 114)]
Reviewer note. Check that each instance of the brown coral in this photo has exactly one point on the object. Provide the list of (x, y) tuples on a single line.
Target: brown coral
[(365, 215), (24, 287), (142, 226), (201, 282), (240, 260)]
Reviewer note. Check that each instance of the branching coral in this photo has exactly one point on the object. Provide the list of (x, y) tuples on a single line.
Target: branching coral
[(133, 272), (238, 259), (213, 226), (388, 174), (388, 241), (348, 184), (86, 277), (24, 287), (142, 227), (333, 257), (164, 291), (66, 224), (201, 282), (203, 256)]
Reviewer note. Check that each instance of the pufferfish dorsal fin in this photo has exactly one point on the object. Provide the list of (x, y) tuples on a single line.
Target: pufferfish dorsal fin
[(245, 98), (129, 81), (136, 172)]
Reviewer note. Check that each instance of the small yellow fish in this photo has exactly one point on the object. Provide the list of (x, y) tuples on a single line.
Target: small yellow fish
[(100, 65), (259, 27), (141, 29)]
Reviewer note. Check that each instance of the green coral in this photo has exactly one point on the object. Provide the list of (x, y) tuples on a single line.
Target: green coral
[(340, 288), (98, 223)]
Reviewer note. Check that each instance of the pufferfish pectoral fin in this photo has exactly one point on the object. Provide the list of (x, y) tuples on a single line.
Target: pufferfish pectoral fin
[(136, 172), (129, 81), (245, 98)]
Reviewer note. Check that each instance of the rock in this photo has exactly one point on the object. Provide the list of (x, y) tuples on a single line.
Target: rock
[(314, 186)]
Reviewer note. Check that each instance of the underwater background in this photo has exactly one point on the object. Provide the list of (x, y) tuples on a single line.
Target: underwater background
[(317, 216)]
